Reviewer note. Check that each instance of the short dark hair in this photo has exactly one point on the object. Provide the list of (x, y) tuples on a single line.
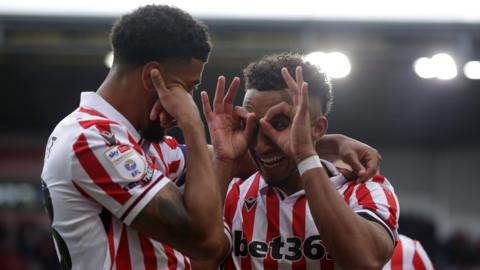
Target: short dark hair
[(265, 74), (158, 33)]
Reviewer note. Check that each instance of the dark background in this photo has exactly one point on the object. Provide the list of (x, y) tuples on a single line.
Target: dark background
[(426, 130)]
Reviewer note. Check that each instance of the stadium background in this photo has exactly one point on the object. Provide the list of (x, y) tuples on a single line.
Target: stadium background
[(426, 129)]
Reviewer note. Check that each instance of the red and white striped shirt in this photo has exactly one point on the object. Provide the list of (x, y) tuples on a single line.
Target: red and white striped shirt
[(409, 255), (97, 177), (271, 230)]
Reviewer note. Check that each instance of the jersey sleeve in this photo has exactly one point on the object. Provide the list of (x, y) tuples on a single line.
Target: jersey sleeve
[(375, 200), (111, 168)]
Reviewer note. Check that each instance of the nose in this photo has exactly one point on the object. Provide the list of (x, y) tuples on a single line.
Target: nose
[(262, 143)]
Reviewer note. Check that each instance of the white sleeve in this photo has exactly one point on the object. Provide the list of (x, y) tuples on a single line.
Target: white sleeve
[(115, 172)]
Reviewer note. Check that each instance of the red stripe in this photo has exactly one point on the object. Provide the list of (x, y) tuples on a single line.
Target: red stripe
[(149, 257), (392, 208), (134, 143), (96, 172), (111, 245), (417, 260), (298, 227), (364, 198), (378, 178), (102, 123), (273, 225), (90, 111), (228, 264), (172, 259), (152, 184), (348, 192), (171, 142), (231, 203), (186, 262), (249, 219), (396, 262), (123, 259), (159, 151)]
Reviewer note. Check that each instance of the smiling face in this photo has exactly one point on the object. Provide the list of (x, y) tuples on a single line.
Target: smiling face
[(276, 167)]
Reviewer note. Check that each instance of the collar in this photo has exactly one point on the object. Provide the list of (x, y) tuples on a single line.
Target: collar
[(96, 102), (336, 178)]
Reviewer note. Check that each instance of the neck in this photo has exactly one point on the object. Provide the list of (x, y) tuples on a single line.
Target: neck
[(292, 184), (118, 89)]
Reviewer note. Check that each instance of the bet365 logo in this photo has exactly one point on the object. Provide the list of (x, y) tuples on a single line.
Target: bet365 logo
[(290, 248)]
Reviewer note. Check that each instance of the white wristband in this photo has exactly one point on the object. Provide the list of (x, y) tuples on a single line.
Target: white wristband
[(309, 163)]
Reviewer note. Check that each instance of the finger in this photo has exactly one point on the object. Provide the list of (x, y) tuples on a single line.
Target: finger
[(292, 85), (157, 80), (299, 76), (268, 130), (352, 160), (250, 127), (241, 111), (281, 108), (304, 101), (155, 110), (230, 96), (207, 110), (371, 167), (240, 116), (217, 100)]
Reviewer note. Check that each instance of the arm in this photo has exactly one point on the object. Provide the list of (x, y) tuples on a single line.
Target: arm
[(192, 222), (354, 242)]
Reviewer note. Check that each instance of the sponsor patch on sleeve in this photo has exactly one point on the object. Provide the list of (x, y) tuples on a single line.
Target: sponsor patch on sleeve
[(127, 162)]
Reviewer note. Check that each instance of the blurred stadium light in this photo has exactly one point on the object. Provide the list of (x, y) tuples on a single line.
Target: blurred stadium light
[(440, 66), (335, 64), (472, 70), (108, 60)]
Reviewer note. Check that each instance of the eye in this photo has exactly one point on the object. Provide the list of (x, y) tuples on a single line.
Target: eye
[(280, 122)]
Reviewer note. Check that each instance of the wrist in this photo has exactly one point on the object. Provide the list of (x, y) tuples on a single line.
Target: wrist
[(309, 163)]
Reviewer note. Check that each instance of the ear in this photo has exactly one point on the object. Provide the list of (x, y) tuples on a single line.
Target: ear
[(319, 128), (146, 79)]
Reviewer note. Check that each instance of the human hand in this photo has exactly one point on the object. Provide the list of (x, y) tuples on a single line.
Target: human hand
[(363, 159), (295, 140), (229, 138), (175, 100)]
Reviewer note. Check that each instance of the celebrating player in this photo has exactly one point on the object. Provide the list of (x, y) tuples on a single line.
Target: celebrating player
[(297, 211), (110, 174)]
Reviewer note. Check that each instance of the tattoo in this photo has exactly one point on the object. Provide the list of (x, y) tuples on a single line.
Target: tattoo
[(171, 211)]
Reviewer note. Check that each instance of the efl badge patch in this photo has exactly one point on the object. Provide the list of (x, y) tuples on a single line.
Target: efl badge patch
[(128, 163)]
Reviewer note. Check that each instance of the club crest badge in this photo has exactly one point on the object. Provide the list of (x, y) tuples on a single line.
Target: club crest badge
[(250, 203)]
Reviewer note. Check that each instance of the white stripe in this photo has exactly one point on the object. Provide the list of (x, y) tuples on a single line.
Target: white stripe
[(408, 249), (423, 255)]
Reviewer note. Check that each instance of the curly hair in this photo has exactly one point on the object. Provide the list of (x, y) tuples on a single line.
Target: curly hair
[(158, 33), (265, 75)]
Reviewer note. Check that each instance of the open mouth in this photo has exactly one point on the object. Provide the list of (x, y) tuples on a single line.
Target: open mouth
[(271, 162)]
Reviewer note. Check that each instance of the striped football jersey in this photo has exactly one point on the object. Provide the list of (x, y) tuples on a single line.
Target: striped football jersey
[(409, 255), (98, 175), (271, 230)]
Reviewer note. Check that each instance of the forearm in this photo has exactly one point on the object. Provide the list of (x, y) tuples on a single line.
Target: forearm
[(354, 242), (328, 146), (201, 194), (224, 172)]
